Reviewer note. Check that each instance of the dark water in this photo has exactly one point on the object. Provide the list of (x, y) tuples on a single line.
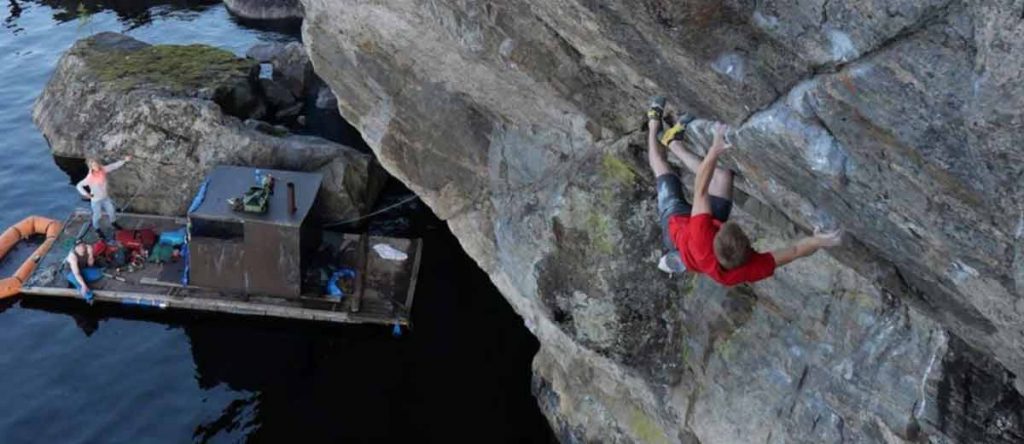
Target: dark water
[(71, 373)]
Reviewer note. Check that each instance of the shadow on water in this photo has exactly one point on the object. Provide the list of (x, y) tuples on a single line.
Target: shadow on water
[(462, 371), (133, 13)]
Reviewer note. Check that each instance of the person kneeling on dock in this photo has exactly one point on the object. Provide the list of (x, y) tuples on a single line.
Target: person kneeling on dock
[(83, 268), (96, 180)]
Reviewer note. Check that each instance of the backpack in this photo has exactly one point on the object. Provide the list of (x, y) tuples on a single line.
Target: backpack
[(136, 239)]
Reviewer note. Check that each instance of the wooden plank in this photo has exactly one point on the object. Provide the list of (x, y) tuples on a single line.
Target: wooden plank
[(158, 283), (371, 302), (174, 219), (212, 305), (407, 308), (363, 250)]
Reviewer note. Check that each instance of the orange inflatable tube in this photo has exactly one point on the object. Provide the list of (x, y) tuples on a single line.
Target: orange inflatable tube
[(29, 226)]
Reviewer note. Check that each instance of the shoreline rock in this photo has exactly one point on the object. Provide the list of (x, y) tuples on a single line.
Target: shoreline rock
[(291, 66), (265, 9), (102, 101)]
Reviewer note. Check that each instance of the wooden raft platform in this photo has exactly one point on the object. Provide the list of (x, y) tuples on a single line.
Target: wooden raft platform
[(383, 295)]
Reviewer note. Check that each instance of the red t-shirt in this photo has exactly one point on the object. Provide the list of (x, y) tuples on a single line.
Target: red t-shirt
[(695, 237)]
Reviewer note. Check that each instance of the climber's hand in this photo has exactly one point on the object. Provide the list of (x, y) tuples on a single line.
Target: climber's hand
[(828, 239), (719, 142)]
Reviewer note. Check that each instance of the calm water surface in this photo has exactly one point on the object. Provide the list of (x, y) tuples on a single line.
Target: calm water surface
[(71, 373)]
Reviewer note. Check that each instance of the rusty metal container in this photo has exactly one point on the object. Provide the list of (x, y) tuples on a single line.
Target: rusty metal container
[(259, 254)]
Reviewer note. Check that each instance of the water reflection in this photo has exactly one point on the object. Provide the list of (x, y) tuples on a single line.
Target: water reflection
[(13, 14), (133, 13), (464, 371)]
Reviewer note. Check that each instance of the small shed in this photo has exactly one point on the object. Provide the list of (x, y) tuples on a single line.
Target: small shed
[(255, 253)]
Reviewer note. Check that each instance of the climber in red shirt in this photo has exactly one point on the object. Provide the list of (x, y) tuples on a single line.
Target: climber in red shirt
[(700, 238)]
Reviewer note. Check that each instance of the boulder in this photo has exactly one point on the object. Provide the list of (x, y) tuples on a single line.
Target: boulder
[(265, 9), (109, 97), (325, 98), (292, 68), (289, 112), (276, 95), (899, 121)]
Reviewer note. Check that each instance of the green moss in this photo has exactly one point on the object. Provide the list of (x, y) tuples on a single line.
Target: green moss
[(615, 169), (599, 226), (725, 350), (184, 67), (645, 429)]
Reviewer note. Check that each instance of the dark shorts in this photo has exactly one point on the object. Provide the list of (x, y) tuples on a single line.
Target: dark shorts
[(672, 201)]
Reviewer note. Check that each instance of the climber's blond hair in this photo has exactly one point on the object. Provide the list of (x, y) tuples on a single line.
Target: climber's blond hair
[(732, 246)]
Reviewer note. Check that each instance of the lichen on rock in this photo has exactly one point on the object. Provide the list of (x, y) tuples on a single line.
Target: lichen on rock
[(899, 121), (181, 67), (180, 111)]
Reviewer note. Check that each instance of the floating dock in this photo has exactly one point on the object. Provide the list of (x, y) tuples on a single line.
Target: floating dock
[(383, 291)]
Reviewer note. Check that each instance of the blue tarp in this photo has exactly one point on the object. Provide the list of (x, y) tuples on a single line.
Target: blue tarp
[(196, 202), (200, 196)]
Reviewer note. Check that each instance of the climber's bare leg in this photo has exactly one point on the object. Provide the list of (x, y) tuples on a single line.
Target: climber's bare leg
[(721, 181), (656, 151), (692, 161)]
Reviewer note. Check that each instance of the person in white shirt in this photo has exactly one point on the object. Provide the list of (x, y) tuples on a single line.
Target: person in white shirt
[(97, 193)]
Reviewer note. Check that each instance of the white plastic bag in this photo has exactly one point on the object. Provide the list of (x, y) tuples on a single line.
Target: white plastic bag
[(390, 253)]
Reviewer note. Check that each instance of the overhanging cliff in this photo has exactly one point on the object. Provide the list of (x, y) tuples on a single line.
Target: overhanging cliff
[(518, 122)]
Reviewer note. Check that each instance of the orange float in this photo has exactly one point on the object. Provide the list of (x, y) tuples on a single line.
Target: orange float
[(29, 226)]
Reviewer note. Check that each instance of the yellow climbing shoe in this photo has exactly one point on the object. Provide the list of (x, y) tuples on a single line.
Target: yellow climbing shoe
[(677, 131)]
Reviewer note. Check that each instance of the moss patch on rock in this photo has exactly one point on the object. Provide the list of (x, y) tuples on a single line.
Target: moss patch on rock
[(179, 67), (645, 428), (614, 168)]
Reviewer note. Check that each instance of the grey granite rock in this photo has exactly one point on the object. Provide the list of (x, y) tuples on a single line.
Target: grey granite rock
[(292, 68), (265, 9), (517, 122), (108, 98), (276, 95), (325, 98)]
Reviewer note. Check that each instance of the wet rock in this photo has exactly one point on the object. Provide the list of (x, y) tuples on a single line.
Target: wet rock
[(276, 95), (325, 98), (265, 9), (899, 121), (266, 128), (292, 68), (110, 97), (289, 112)]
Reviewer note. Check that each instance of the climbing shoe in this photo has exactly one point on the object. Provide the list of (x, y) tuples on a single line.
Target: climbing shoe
[(671, 263), (657, 109), (116, 226), (678, 130), (102, 237)]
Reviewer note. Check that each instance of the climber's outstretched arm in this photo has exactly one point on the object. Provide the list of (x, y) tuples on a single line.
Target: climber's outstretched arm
[(807, 246), (706, 170)]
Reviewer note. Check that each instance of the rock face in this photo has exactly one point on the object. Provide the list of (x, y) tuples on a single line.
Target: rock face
[(177, 109), (265, 9), (292, 68), (517, 122)]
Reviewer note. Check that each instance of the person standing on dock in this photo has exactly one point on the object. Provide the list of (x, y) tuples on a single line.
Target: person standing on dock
[(82, 263), (97, 194)]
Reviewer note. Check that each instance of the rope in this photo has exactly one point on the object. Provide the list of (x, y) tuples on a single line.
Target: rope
[(132, 199), (382, 210)]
